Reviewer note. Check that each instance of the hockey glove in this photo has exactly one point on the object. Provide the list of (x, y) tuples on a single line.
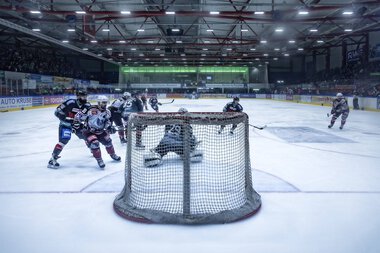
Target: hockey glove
[(159, 103), (332, 111), (111, 130), (76, 126)]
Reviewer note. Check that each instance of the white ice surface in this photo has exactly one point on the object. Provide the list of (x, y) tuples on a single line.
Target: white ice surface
[(316, 197)]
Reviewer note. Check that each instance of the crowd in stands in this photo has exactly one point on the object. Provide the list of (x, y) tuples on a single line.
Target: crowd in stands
[(352, 79), (36, 61)]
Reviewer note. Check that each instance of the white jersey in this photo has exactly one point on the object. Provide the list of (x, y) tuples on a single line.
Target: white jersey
[(96, 120), (118, 103)]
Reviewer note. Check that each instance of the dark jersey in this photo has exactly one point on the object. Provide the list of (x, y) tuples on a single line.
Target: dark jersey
[(130, 106), (232, 107), (66, 111), (153, 101)]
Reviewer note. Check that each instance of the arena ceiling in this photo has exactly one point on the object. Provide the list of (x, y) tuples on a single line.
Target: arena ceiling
[(186, 32)]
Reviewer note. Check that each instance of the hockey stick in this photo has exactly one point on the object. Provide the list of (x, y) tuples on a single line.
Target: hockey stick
[(257, 127), (167, 102)]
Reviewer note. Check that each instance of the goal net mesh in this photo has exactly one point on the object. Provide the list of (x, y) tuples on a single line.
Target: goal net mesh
[(179, 169)]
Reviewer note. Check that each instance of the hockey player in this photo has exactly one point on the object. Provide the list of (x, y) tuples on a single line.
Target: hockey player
[(233, 106), (154, 103), (355, 102), (115, 109), (66, 112), (133, 105), (98, 129), (144, 101), (339, 107), (173, 142)]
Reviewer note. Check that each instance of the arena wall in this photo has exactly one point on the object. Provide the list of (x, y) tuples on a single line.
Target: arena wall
[(31, 102)]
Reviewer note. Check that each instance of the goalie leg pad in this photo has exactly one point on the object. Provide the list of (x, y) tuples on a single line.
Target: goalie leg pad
[(152, 159), (196, 156)]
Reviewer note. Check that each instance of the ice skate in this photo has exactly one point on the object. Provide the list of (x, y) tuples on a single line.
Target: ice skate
[(100, 163), (115, 157), (53, 164)]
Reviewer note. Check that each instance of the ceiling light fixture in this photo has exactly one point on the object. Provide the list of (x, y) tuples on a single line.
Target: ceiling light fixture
[(348, 12), (125, 12)]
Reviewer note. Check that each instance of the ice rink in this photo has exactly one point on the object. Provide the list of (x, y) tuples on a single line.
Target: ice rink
[(320, 188)]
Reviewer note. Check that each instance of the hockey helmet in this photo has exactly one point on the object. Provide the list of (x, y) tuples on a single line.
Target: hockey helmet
[(237, 99), (81, 93), (102, 101), (126, 95), (82, 96), (339, 95), (182, 110)]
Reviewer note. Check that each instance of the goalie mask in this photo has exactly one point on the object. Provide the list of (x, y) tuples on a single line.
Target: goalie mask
[(102, 102)]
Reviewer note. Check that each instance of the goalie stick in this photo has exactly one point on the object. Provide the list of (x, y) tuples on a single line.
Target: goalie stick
[(257, 127), (166, 103)]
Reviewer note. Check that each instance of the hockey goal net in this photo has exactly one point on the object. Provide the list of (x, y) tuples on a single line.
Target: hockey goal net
[(181, 169)]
